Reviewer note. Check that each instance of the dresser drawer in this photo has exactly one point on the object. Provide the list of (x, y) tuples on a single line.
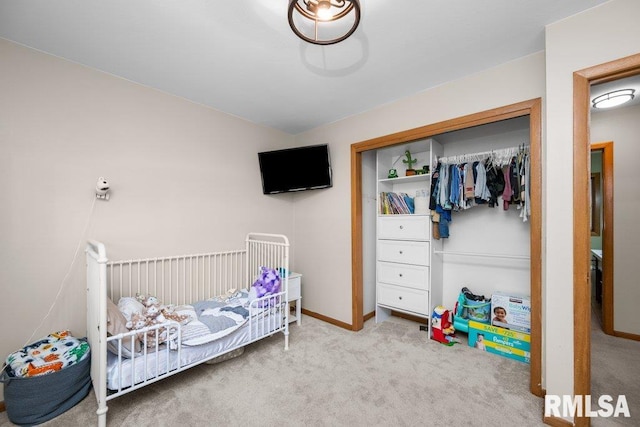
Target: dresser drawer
[(402, 298), (403, 227), (403, 252), (411, 276)]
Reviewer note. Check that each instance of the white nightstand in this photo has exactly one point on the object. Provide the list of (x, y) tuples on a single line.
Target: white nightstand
[(295, 296)]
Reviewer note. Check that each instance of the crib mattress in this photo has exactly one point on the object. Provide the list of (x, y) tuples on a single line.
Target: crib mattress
[(119, 375)]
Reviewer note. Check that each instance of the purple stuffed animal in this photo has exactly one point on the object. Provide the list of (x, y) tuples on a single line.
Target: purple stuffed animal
[(267, 283)]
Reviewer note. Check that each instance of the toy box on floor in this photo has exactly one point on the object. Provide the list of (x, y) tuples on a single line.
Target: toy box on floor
[(505, 342), (511, 312)]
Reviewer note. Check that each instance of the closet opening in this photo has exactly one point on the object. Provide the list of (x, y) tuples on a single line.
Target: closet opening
[(500, 129)]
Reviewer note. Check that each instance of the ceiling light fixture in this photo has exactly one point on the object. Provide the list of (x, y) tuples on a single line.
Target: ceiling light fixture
[(324, 22), (613, 99)]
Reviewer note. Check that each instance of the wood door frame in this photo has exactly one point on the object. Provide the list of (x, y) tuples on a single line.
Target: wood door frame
[(531, 108), (582, 81), (607, 233)]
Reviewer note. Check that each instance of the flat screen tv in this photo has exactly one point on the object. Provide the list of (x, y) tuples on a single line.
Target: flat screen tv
[(295, 169)]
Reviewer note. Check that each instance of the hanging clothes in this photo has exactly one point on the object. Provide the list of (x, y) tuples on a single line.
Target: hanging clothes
[(495, 184), (463, 181)]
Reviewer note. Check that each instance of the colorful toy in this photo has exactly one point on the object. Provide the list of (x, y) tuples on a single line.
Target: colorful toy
[(442, 329), (470, 307), (409, 161)]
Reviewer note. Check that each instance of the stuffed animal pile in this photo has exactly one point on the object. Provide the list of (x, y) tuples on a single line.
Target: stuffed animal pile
[(146, 310)]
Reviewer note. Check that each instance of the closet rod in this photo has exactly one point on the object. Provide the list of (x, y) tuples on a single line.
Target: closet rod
[(481, 255), (467, 157)]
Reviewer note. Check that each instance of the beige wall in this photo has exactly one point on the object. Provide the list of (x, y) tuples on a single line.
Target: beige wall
[(323, 227), (623, 128), (599, 35), (184, 179)]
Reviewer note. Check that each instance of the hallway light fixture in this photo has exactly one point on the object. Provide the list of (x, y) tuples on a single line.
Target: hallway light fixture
[(613, 99), (324, 22)]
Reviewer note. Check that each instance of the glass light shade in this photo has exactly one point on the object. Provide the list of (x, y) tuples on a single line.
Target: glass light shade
[(324, 22), (613, 99)]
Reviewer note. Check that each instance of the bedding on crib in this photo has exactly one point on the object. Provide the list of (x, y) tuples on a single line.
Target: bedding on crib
[(202, 321), (123, 373), (216, 318), (202, 334)]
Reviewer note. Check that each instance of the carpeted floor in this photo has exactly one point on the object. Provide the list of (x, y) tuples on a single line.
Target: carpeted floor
[(615, 370), (385, 375)]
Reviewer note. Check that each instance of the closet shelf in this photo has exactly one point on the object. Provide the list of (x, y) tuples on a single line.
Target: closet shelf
[(411, 178), (477, 254), (399, 215)]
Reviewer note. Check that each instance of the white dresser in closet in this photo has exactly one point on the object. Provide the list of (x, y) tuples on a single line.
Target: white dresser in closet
[(403, 263), (403, 242)]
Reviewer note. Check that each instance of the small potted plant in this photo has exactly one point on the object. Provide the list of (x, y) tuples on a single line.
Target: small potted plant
[(409, 161)]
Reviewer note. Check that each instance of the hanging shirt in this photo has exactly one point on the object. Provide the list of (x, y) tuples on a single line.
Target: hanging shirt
[(508, 191), (468, 182), (443, 196), (515, 179), (525, 195), (495, 184), (454, 187), (481, 191), (433, 199)]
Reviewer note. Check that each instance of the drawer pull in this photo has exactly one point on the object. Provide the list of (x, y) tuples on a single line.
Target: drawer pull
[(399, 297), (400, 252), (401, 227), (400, 274)]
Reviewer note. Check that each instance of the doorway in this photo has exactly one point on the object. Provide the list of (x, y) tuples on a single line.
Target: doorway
[(582, 81), (532, 109), (602, 229)]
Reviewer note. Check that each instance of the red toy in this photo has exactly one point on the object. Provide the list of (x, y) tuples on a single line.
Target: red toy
[(442, 327)]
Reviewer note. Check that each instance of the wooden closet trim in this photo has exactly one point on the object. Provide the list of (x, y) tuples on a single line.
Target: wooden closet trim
[(531, 108)]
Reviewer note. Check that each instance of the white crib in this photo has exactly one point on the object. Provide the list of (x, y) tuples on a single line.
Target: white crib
[(177, 280)]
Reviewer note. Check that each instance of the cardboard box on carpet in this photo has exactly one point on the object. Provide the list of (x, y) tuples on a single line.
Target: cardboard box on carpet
[(511, 312), (504, 342)]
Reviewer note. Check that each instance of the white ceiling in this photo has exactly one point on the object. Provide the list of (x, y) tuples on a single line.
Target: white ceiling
[(240, 57)]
